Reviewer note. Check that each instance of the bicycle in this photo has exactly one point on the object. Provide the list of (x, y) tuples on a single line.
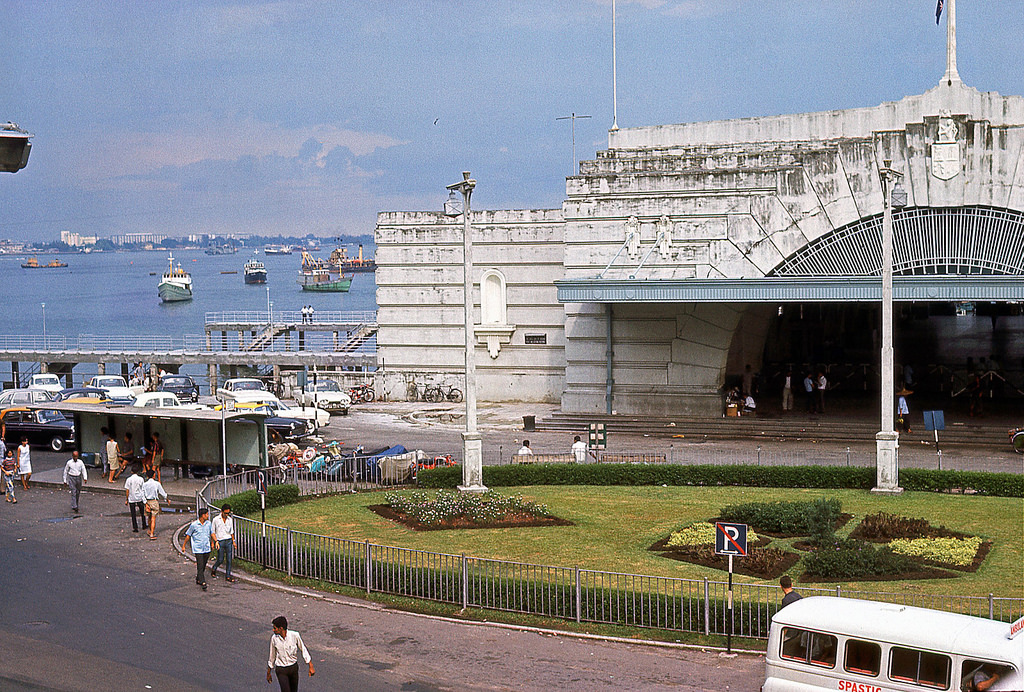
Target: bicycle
[(361, 393), (437, 393)]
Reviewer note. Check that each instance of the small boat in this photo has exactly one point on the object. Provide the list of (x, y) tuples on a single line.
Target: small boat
[(221, 249), (230, 271), (255, 272), (33, 263), (277, 250), (175, 284), (340, 259), (318, 275)]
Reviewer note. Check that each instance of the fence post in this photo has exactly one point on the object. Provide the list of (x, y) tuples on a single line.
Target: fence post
[(465, 583), (707, 608), (579, 597), (759, 455), (366, 558), (847, 456), (991, 608), (839, 592), (289, 545)]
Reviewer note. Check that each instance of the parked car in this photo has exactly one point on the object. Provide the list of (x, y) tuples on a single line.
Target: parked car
[(46, 381), (84, 395), (115, 386), (23, 397), (42, 428), (253, 399), (327, 395), (288, 429), (243, 384), (183, 386), (164, 400)]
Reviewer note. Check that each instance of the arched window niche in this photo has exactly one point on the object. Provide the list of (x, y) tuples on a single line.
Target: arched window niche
[(493, 329)]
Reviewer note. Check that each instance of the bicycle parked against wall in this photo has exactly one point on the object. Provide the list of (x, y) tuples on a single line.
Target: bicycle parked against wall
[(437, 393)]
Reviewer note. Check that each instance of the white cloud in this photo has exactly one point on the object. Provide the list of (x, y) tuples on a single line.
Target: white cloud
[(139, 153), (234, 19)]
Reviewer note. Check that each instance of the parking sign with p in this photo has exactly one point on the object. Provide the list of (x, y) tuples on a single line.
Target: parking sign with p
[(730, 539)]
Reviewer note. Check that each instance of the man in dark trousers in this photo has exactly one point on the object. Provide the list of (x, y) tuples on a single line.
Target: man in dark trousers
[(200, 534), (135, 498), (285, 648)]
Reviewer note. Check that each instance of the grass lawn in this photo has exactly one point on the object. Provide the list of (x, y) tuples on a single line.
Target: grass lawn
[(615, 525)]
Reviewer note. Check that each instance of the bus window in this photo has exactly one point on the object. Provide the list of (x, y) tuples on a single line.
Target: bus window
[(920, 667), (980, 676), (864, 658), (809, 647)]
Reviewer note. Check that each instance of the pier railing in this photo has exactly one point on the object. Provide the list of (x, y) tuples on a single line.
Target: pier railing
[(187, 343), (290, 317), (568, 593)]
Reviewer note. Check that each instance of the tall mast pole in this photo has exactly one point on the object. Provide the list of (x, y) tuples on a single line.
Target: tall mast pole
[(615, 89), (951, 73)]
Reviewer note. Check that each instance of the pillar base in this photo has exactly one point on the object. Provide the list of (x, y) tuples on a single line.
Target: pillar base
[(887, 445), (472, 463)]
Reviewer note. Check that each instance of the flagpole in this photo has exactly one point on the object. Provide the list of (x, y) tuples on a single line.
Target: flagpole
[(615, 90), (951, 72)]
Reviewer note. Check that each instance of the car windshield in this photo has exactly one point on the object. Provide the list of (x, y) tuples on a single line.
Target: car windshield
[(246, 385), (46, 379), (177, 381), (109, 382), (50, 416), (328, 386)]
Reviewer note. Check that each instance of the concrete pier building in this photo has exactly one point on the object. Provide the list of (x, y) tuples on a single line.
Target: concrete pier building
[(684, 252)]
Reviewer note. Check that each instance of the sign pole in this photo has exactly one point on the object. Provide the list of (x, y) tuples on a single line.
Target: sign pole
[(261, 486), (728, 639)]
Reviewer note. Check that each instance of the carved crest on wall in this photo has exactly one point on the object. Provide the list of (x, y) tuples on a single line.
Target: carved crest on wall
[(946, 149)]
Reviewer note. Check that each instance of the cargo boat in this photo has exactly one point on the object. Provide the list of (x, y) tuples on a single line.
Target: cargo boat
[(175, 284), (341, 261), (255, 272), (318, 275)]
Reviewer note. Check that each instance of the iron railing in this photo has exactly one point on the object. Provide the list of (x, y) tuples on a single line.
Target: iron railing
[(291, 316), (567, 593)]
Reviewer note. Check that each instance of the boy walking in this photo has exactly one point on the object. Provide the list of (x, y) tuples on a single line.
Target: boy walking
[(224, 534)]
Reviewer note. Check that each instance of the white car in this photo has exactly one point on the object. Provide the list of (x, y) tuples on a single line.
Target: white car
[(165, 400), (244, 384), (22, 397), (278, 407), (327, 395), (114, 386), (46, 381)]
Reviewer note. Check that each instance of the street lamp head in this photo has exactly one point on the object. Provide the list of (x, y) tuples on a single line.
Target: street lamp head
[(898, 198), (452, 207)]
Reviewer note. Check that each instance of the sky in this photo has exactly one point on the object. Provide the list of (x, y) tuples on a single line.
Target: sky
[(295, 116)]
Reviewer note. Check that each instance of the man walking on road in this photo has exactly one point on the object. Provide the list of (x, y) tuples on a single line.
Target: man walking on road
[(152, 491), (74, 476), (135, 495), (199, 533), (224, 534), (285, 647)]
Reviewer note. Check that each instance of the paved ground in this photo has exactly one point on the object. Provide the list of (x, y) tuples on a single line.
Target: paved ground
[(87, 604)]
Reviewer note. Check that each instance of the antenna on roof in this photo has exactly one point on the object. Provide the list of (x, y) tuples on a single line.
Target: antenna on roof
[(573, 118)]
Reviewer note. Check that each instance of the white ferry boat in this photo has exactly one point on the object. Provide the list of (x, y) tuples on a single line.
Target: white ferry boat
[(175, 284), (255, 272)]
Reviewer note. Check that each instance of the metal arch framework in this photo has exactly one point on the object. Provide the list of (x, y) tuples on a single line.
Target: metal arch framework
[(940, 255), (927, 241)]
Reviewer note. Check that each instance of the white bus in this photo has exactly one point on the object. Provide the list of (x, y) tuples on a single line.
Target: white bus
[(828, 643)]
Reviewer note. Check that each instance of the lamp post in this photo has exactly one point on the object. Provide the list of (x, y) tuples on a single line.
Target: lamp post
[(270, 310), (887, 468), (472, 457), (44, 324)]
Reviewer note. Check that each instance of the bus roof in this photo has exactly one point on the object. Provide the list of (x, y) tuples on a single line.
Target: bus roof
[(905, 625)]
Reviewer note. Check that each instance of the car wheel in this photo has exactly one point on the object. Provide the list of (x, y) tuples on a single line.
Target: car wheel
[(57, 443)]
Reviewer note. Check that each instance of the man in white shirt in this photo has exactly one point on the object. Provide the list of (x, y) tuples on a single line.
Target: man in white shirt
[(579, 449), (525, 449), (74, 476), (152, 491), (285, 647), (224, 534), (135, 496)]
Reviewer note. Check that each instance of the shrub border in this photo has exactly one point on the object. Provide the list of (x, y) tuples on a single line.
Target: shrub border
[(859, 478)]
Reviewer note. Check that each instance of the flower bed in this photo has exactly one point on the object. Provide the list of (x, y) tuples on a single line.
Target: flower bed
[(701, 533), (696, 544), (451, 510)]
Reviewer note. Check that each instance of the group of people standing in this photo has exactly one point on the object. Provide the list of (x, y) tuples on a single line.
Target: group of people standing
[(307, 314), (14, 468), (119, 457)]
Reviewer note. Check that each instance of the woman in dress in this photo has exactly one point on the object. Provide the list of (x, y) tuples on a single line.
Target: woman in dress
[(24, 463)]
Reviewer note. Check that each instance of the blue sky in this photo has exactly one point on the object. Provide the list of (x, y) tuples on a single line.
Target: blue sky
[(310, 117)]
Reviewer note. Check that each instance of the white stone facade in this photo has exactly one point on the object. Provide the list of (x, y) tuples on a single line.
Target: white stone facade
[(729, 199)]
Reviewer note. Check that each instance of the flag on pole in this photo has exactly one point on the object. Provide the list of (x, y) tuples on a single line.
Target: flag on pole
[(938, 11)]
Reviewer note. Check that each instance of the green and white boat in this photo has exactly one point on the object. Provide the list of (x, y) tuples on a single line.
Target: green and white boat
[(175, 284), (319, 275)]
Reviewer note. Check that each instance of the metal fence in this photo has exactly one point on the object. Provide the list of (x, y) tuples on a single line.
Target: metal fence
[(291, 316), (568, 593)]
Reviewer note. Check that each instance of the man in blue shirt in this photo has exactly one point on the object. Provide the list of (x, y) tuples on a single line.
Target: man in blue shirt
[(200, 534)]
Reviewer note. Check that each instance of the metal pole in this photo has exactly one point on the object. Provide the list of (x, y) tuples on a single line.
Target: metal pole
[(615, 87), (728, 637), (887, 439), (44, 325)]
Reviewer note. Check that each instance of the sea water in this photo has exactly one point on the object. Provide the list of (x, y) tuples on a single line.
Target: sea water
[(115, 293)]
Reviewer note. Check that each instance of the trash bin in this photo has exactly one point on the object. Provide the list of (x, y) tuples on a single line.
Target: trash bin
[(529, 423)]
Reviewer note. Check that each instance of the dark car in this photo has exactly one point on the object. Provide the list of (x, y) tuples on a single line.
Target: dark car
[(43, 428), (286, 429), (89, 395), (182, 386)]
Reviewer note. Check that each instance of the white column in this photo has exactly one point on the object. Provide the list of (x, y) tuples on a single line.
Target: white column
[(951, 73), (887, 439)]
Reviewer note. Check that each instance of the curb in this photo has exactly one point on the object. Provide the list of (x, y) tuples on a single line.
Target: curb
[(113, 489), (242, 575)]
